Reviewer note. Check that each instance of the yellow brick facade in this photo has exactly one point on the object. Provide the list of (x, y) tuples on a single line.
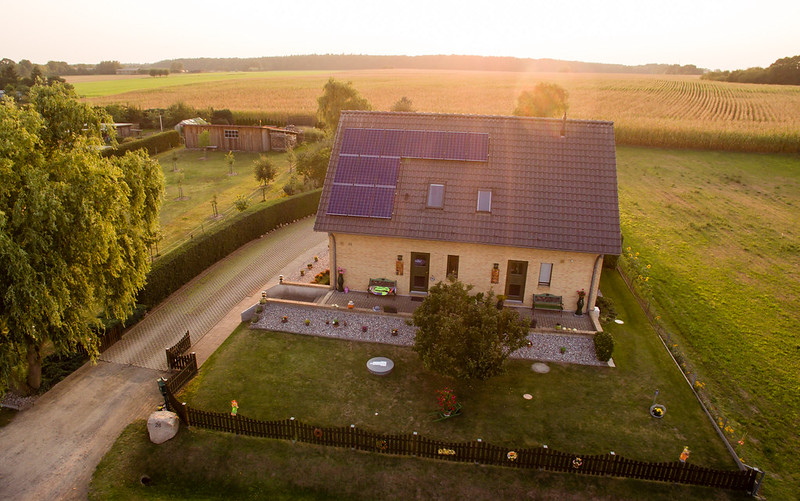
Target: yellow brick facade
[(365, 257)]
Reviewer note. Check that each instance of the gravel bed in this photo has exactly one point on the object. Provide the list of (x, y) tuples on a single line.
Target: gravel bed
[(579, 349), (18, 402)]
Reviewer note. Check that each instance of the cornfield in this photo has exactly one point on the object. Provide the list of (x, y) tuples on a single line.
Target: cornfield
[(651, 110)]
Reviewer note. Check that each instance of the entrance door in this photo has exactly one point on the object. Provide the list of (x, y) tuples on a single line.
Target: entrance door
[(515, 280), (420, 267)]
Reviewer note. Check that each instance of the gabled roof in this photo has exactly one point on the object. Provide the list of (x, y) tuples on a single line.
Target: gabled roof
[(553, 182)]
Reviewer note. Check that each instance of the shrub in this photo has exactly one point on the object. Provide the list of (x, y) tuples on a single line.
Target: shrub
[(603, 346), (313, 135), (222, 117), (607, 310), (157, 143)]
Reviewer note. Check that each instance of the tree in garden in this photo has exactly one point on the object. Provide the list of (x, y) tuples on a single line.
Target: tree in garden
[(337, 96), (464, 335), (231, 159), (204, 141), (312, 163), (545, 100), (264, 172), (74, 229), (403, 104)]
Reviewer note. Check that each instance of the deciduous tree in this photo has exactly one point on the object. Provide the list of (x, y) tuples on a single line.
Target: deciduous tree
[(463, 335), (545, 100), (337, 96), (264, 172), (74, 229), (403, 104), (312, 163)]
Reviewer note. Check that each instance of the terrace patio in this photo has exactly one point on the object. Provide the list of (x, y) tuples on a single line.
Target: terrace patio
[(546, 321)]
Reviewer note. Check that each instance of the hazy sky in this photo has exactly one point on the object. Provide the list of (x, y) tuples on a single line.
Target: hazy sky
[(712, 34)]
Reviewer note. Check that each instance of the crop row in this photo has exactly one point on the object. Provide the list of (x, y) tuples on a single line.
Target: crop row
[(745, 117)]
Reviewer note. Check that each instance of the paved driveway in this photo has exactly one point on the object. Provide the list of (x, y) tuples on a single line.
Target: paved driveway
[(51, 450)]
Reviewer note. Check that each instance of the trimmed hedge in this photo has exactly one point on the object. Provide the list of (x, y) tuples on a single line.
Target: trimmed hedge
[(157, 143), (172, 271), (276, 118)]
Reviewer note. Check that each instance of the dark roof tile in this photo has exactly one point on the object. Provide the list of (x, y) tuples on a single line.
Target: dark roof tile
[(548, 191)]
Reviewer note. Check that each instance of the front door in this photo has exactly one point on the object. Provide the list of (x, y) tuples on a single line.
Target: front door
[(515, 280), (420, 267)]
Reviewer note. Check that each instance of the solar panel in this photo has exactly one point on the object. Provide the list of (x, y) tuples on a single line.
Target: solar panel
[(369, 163), (372, 170), (426, 144), (361, 201)]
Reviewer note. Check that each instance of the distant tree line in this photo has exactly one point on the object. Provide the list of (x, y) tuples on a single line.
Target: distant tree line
[(443, 62), (784, 71)]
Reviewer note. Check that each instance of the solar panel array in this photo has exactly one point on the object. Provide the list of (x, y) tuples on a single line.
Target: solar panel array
[(369, 163), (428, 144)]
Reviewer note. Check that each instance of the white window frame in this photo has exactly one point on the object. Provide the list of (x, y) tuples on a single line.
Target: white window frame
[(433, 188), (545, 274), (484, 201)]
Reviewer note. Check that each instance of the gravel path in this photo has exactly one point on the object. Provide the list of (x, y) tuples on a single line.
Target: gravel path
[(578, 349)]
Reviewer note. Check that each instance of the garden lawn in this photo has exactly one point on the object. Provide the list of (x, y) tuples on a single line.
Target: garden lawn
[(582, 410), (198, 177)]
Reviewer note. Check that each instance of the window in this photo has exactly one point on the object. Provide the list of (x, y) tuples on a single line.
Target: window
[(484, 200), (436, 196), (231, 134), (452, 266), (545, 273)]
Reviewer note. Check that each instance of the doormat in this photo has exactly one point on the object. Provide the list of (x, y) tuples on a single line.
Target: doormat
[(417, 299)]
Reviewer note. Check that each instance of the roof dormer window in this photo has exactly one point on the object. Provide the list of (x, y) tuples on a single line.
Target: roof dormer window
[(484, 200), (436, 196)]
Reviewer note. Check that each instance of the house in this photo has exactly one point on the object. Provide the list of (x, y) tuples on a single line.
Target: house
[(520, 206), (242, 137)]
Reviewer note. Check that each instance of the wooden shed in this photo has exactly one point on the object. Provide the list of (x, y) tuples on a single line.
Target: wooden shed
[(242, 137)]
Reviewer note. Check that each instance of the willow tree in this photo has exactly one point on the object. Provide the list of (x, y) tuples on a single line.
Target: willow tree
[(336, 97), (74, 229)]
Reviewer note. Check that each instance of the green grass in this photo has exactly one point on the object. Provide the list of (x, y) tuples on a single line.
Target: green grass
[(202, 178), (583, 410), (720, 231), (113, 86), (199, 464)]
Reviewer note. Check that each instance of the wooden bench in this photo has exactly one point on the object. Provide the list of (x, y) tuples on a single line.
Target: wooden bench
[(382, 287), (548, 302)]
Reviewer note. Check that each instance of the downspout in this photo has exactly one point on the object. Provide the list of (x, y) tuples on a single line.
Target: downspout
[(334, 274), (593, 288)]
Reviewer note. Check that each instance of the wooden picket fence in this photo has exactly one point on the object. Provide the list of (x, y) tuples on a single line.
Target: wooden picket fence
[(175, 354), (479, 452)]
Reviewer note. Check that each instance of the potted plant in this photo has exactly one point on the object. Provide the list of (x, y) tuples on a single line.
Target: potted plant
[(579, 309)]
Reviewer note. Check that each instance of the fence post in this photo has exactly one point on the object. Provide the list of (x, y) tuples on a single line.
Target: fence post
[(415, 444), (759, 478), (353, 437)]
